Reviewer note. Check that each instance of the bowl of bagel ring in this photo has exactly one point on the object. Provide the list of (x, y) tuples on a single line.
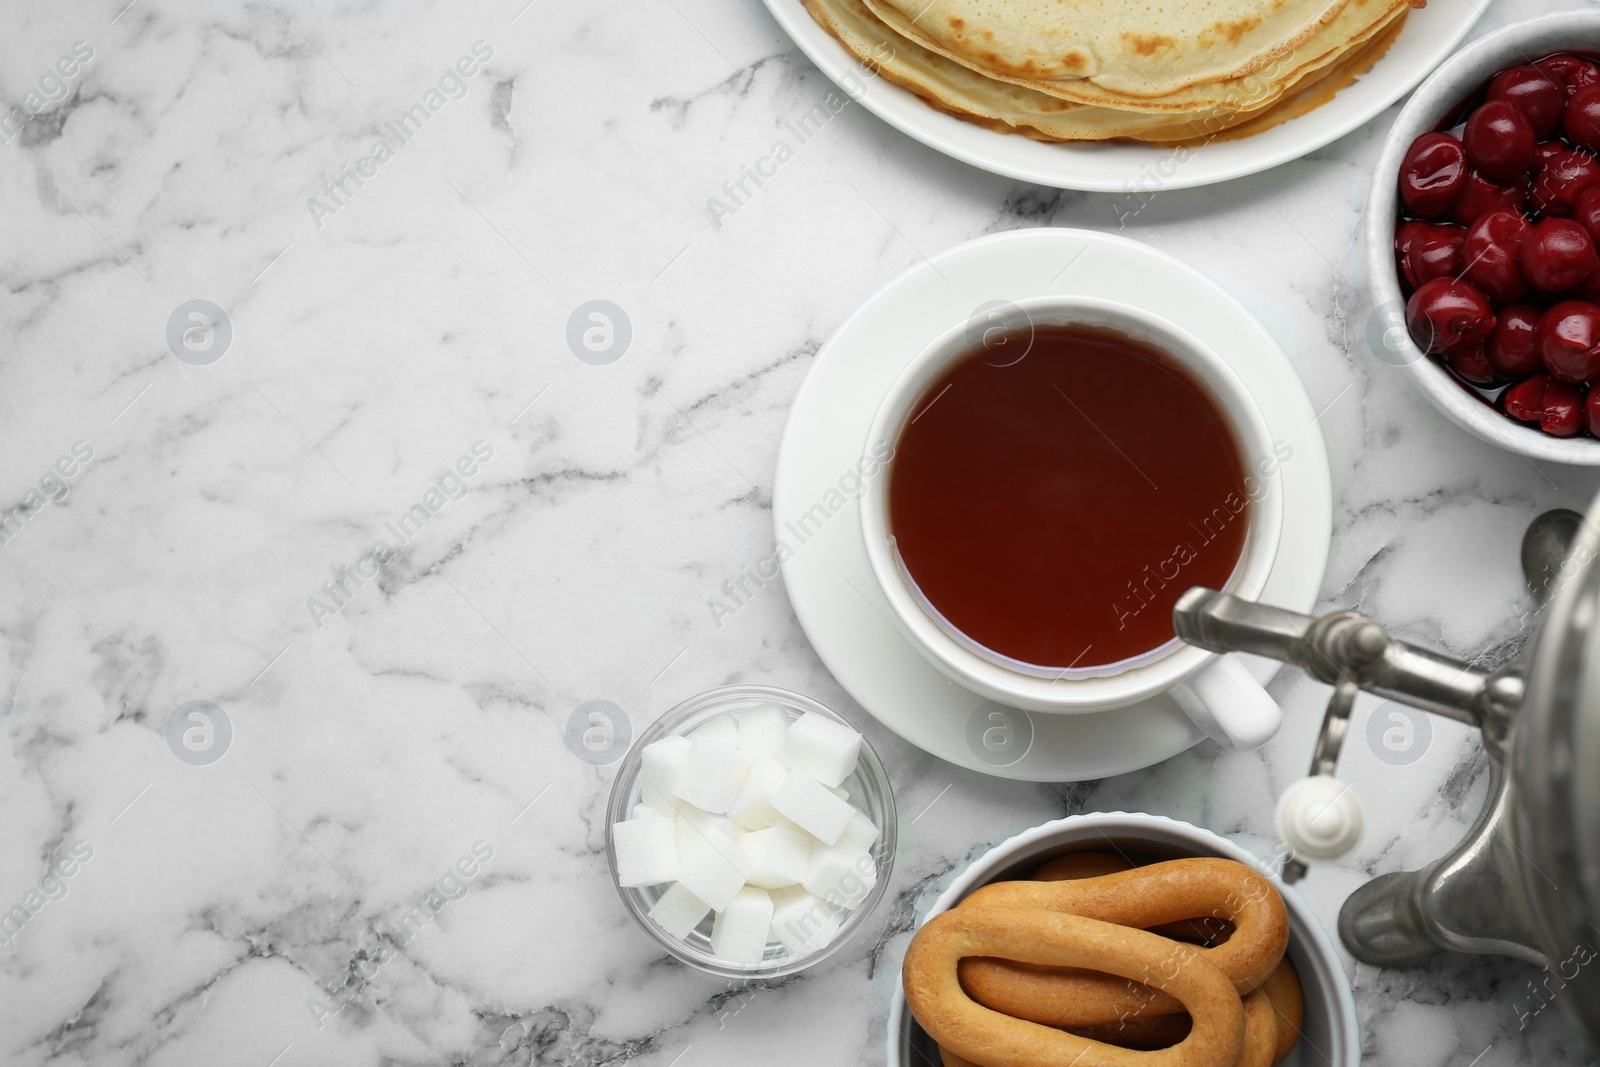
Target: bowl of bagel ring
[(1115, 940)]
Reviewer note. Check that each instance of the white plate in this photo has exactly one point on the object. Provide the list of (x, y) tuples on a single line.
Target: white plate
[(1430, 35), (826, 572)]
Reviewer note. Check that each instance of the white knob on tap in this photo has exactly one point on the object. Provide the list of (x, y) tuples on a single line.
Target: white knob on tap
[(1320, 819)]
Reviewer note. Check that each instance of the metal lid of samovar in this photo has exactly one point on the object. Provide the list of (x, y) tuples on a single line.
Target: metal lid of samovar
[(1525, 880)]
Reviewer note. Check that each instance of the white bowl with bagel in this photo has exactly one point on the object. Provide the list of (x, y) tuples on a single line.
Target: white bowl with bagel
[(1139, 847)]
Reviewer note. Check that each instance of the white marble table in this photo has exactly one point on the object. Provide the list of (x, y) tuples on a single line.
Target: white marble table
[(399, 860)]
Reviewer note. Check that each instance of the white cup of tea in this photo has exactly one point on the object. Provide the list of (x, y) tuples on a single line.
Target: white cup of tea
[(1217, 692)]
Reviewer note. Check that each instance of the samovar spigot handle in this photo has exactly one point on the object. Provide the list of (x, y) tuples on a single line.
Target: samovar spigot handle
[(1344, 647), (1220, 622), (1318, 816)]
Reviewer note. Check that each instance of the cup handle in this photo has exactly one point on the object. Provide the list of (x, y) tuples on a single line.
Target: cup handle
[(1228, 703)]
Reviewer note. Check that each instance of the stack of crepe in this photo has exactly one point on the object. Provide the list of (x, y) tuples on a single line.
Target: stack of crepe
[(1144, 70)]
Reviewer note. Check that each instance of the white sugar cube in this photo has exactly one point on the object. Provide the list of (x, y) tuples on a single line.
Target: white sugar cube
[(658, 772), (778, 857), (722, 729), (692, 816), (840, 791), (824, 749), (656, 801), (679, 911), (659, 760), (860, 834), (711, 775), (840, 878), (691, 828), (739, 932), (752, 808), (683, 812), (686, 835), (695, 826), (801, 921), (762, 730), (810, 805), (712, 866), (647, 851), (689, 813)]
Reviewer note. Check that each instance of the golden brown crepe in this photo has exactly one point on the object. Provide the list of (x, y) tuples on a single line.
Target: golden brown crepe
[(1267, 85)]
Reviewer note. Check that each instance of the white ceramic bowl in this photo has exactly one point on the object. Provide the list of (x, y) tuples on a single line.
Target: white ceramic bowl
[(1456, 78), (1330, 1036)]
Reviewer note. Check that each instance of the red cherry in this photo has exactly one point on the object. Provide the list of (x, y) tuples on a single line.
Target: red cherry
[(1490, 255), (1591, 411), (1557, 254), (1587, 210), (1512, 349), (1471, 366), (1572, 72), (1556, 406), (1429, 250), (1480, 195), (1498, 141), (1432, 174), (1536, 94), (1447, 314), (1582, 119), (1568, 336), (1589, 291), (1545, 149), (1560, 179)]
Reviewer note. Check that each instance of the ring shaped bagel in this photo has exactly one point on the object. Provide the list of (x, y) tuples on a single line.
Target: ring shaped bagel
[(1209, 932), (1051, 938), (1139, 898), (1260, 1032), (1282, 988)]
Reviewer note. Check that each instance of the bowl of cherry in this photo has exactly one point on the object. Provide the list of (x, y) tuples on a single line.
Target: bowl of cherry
[(1483, 226)]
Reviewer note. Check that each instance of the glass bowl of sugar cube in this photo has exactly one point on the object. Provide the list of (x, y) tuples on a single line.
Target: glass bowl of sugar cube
[(751, 831)]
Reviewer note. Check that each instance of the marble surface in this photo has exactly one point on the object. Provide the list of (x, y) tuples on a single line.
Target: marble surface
[(399, 859)]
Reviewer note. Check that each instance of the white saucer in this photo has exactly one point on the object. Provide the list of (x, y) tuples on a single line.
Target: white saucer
[(827, 577)]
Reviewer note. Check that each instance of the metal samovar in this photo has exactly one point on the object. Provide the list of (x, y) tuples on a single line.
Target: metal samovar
[(1525, 881)]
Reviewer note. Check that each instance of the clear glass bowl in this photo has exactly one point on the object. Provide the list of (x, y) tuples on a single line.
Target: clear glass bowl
[(869, 791)]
